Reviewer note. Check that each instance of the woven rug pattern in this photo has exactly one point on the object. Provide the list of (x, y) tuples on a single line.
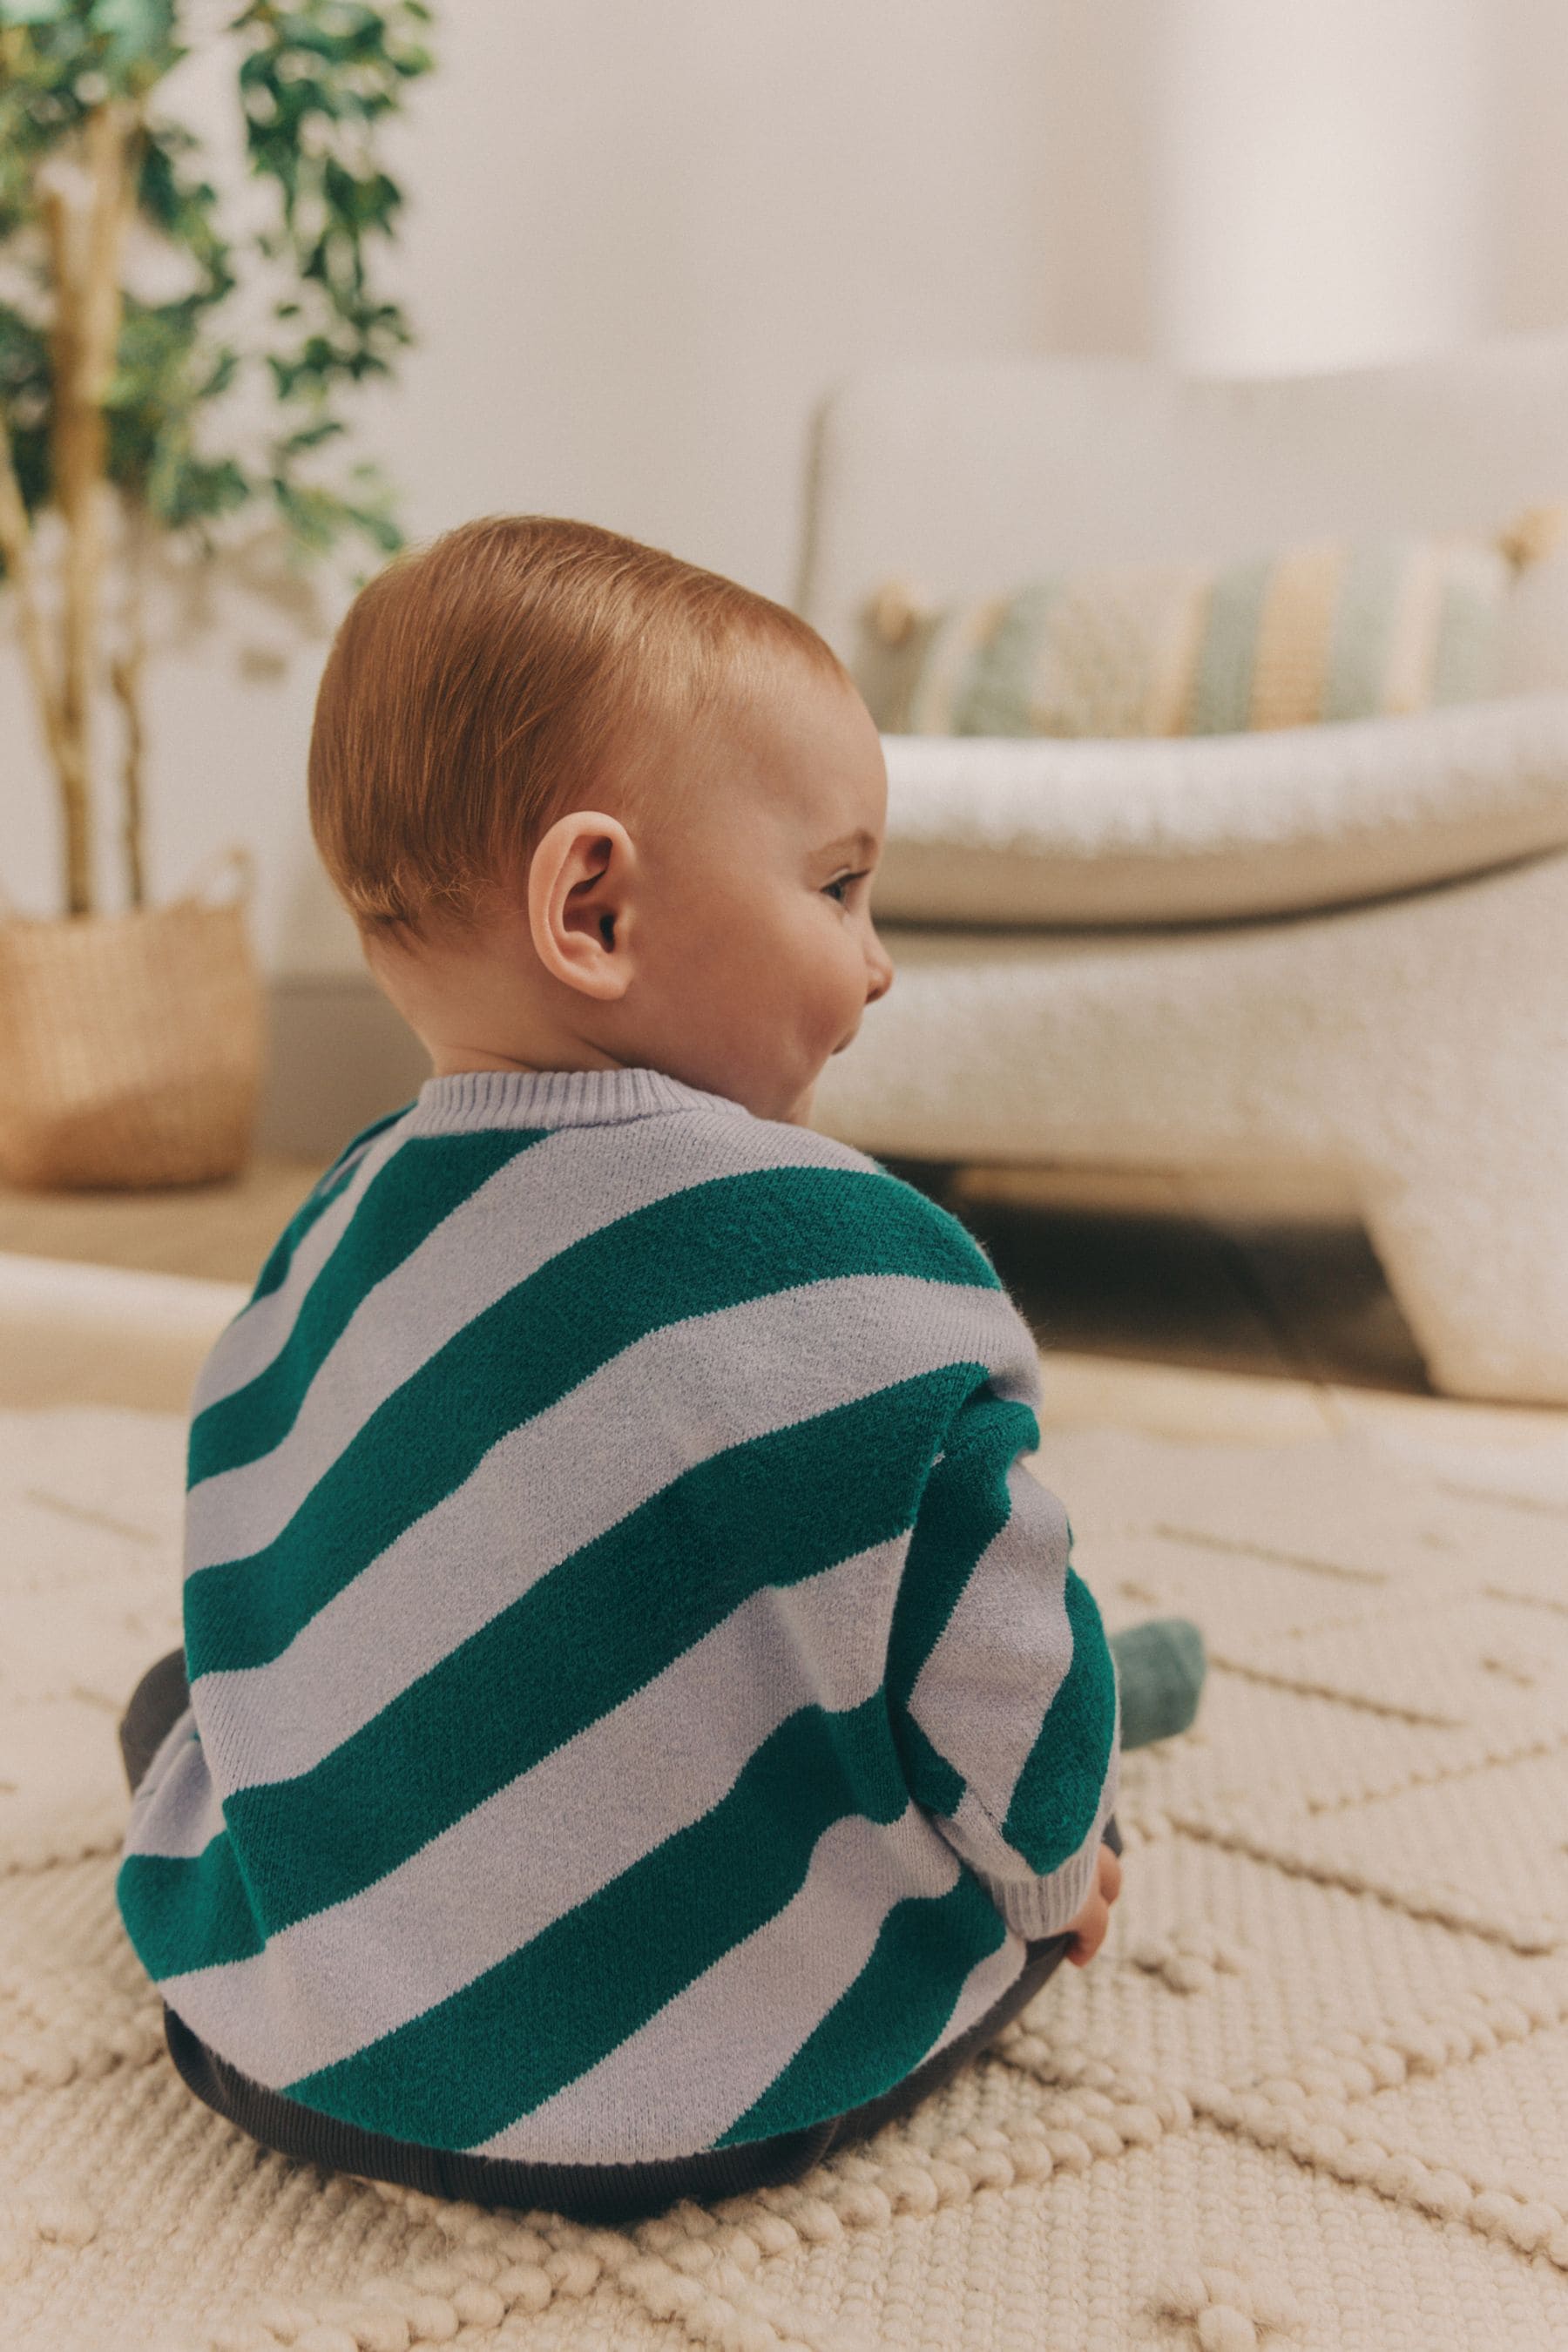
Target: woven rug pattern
[(1312, 2096)]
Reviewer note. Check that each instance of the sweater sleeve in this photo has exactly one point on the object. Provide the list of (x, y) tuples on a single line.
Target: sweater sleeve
[(1000, 1679)]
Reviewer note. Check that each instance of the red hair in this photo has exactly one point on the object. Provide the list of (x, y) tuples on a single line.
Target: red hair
[(483, 684)]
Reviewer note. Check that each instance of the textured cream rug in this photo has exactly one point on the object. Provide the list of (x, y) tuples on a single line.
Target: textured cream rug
[(1314, 2095)]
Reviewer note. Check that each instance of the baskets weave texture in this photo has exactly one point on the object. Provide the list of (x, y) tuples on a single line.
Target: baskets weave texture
[(130, 1045)]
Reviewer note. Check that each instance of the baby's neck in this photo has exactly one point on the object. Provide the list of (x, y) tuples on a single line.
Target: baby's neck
[(451, 1061)]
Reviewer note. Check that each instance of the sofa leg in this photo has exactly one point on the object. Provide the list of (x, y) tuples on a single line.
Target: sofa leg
[(1473, 1238)]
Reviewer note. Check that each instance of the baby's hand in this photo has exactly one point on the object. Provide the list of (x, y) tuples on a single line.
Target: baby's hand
[(1089, 1929)]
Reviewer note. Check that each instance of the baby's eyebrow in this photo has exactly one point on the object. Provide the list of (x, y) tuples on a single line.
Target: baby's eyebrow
[(855, 844)]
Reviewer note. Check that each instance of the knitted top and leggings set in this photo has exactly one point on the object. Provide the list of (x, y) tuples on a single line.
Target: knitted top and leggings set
[(642, 1727)]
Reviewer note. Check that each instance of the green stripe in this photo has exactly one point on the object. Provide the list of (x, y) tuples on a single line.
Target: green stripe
[(879, 2029), (946, 665), (965, 1505), (1464, 662), (996, 696), (1364, 625), (707, 1249), (1057, 1793), (598, 1628), (183, 1912), (1222, 690), (325, 1191), (556, 2006), (420, 1186)]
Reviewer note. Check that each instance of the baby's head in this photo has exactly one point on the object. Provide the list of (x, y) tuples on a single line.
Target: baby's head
[(593, 808)]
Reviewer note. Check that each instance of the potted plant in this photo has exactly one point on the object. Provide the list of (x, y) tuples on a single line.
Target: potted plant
[(131, 1035)]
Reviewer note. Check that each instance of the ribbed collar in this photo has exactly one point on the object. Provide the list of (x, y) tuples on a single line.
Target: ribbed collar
[(478, 1098)]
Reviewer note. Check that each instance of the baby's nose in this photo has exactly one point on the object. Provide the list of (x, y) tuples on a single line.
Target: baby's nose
[(879, 977)]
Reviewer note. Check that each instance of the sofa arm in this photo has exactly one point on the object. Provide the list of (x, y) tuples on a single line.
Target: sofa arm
[(1037, 830)]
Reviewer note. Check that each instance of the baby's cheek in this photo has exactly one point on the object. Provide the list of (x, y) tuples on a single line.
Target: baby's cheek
[(835, 1016)]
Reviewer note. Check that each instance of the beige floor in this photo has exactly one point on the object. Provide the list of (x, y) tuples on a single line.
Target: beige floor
[(1172, 1313), (219, 1233), (1161, 1281), (1312, 2097), (1341, 1889)]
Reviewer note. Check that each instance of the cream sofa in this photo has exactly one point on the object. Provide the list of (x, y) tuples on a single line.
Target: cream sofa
[(1342, 951)]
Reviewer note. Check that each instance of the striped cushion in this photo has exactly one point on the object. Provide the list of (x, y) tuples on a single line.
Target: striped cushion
[(1328, 631)]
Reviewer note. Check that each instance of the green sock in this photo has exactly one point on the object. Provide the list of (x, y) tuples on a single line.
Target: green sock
[(1160, 1669)]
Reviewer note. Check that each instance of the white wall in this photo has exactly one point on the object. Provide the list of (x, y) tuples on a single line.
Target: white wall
[(640, 243), (1318, 182), (1528, 162)]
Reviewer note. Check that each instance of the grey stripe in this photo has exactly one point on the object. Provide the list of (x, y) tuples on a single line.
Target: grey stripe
[(681, 2080), (175, 1810), (682, 1394), (548, 1198), (1464, 656), (1227, 657), (985, 1985), (1005, 1651), (260, 1331), (1363, 627), (658, 1762)]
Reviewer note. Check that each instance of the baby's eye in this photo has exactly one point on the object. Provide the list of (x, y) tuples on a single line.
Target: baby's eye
[(840, 884)]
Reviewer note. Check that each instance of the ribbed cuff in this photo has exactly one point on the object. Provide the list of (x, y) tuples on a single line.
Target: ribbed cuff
[(1035, 1907)]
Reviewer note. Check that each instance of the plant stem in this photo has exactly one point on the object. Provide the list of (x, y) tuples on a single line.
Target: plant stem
[(85, 266), (76, 477), (17, 545), (125, 675)]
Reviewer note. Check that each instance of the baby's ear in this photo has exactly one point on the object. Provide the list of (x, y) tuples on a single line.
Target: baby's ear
[(579, 911)]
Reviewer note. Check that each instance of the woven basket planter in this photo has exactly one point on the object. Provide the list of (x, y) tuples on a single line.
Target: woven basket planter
[(130, 1045)]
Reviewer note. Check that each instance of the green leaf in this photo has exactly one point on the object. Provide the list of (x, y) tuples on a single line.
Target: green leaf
[(134, 29), (310, 437), (316, 79)]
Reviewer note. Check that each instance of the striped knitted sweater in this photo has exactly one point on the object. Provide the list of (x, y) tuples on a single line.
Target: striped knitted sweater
[(639, 1700)]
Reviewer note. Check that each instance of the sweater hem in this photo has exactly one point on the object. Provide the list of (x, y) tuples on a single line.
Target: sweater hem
[(599, 2192), (595, 2192)]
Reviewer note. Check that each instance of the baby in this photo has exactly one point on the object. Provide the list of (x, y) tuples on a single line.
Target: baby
[(643, 1728)]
